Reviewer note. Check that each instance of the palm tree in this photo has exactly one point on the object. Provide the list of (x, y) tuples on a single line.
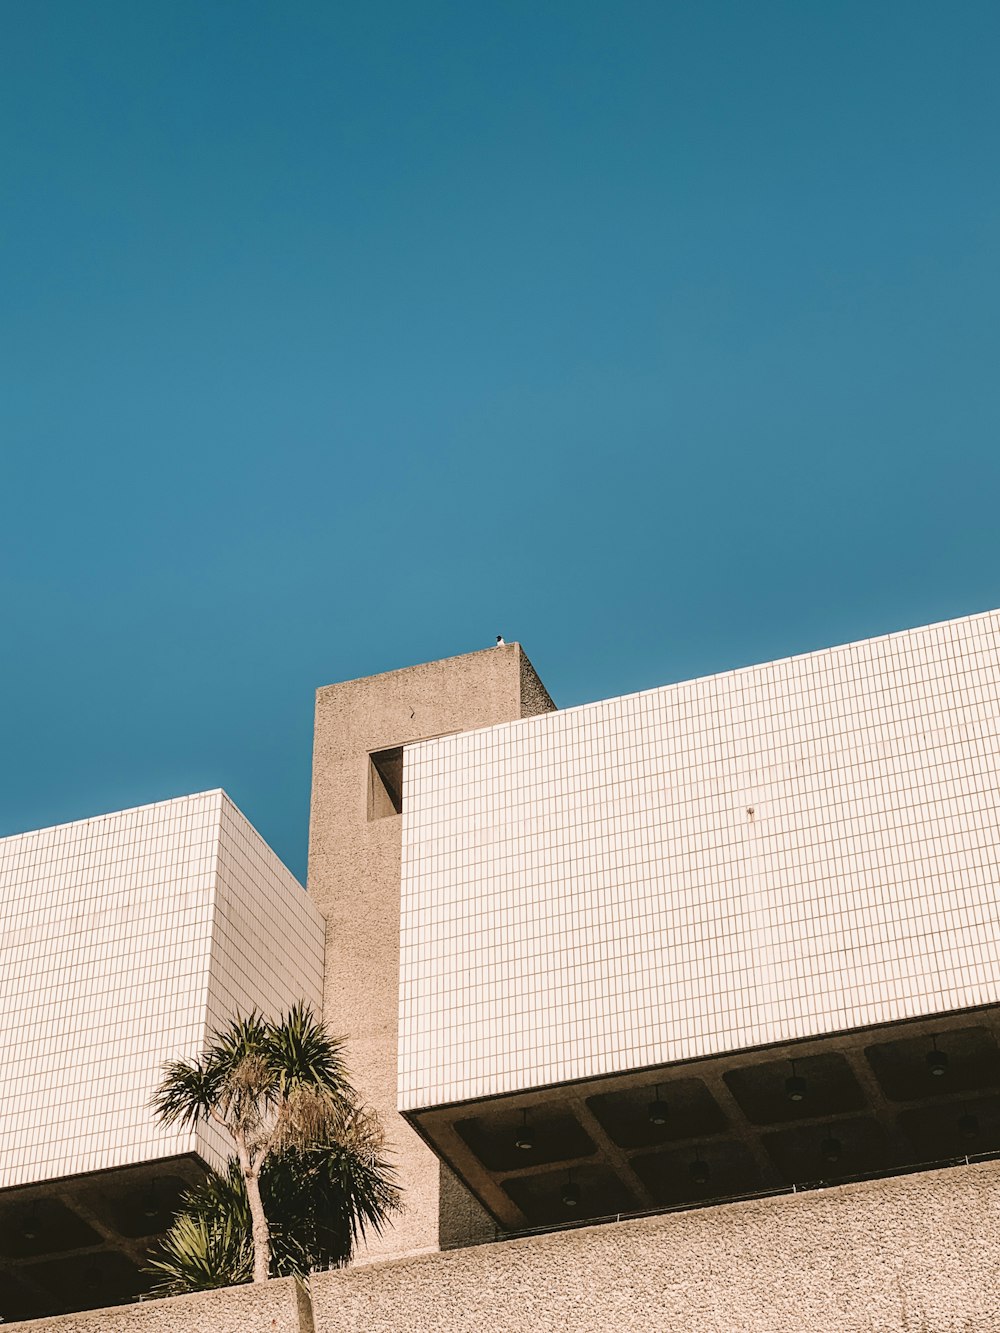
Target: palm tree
[(319, 1203), (280, 1090)]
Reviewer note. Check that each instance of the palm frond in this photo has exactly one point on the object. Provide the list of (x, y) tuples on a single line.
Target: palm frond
[(186, 1094), (220, 1194), (327, 1199), (242, 1036), (358, 1186), (201, 1253), (303, 1053)]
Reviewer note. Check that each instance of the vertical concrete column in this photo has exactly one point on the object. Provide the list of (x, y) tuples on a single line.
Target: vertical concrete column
[(355, 840)]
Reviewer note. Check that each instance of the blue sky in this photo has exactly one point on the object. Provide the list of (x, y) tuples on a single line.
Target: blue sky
[(662, 337)]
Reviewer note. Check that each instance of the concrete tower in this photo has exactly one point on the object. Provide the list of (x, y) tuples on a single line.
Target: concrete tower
[(354, 879)]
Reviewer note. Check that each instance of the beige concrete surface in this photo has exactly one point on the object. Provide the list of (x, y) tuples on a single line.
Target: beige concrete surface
[(279, 1307), (354, 879), (911, 1254)]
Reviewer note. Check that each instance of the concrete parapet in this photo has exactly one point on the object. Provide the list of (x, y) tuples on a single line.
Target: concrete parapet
[(909, 1254), (281, 1306)]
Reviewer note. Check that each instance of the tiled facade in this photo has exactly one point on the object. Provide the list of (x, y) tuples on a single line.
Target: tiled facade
[(123, 939), (774, 853), (267, 935)]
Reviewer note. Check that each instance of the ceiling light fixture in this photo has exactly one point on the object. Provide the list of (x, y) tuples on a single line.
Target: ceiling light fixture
[(968, 1126), (524, 1140), (699, 1171), (937, 1061), (795, 1086), (570, 1194), (831, 1149), (657, 1109)]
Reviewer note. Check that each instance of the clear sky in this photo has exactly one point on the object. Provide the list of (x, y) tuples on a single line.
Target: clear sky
[(663, 337)]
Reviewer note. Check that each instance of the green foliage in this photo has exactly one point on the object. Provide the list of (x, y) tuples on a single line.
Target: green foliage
[(320, 1202), (282, 1092), (200, 1253), (274, 1084)]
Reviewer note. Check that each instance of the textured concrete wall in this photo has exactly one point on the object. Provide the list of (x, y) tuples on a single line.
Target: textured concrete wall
[(278, 1307), (354, 878), (914, 1254)]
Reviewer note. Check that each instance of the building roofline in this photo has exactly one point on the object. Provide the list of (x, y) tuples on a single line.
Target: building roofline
[(127, 810), (718, 675), (420, 666)]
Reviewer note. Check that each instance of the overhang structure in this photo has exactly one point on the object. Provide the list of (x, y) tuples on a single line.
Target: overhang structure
[(721, 937)]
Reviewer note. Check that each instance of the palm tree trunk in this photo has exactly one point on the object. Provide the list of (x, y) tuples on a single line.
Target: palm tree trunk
[(260, 1230)]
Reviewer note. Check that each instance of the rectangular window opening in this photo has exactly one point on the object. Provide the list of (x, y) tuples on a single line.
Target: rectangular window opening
[(385, 783)]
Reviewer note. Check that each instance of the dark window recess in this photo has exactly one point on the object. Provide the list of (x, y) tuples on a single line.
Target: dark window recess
[(385, 783)]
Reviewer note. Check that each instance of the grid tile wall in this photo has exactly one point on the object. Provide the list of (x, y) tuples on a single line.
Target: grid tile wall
[(105, 929), (267, 939), (117, 937), (777, 852), (268, 935)]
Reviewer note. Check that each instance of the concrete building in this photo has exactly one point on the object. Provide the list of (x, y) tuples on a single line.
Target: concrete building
[(730, 939), (726, 936), (362, 729), (124, 940)]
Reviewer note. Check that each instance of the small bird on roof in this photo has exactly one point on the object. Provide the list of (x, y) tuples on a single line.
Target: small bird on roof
[(500, 642)]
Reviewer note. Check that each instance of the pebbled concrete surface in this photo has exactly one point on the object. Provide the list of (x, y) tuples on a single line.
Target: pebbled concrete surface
[(913, 1254), (281, 1306)]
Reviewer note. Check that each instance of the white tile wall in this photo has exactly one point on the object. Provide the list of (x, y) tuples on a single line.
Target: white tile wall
[(268, 936), (267, 939), (789, 849), (122, 938)]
